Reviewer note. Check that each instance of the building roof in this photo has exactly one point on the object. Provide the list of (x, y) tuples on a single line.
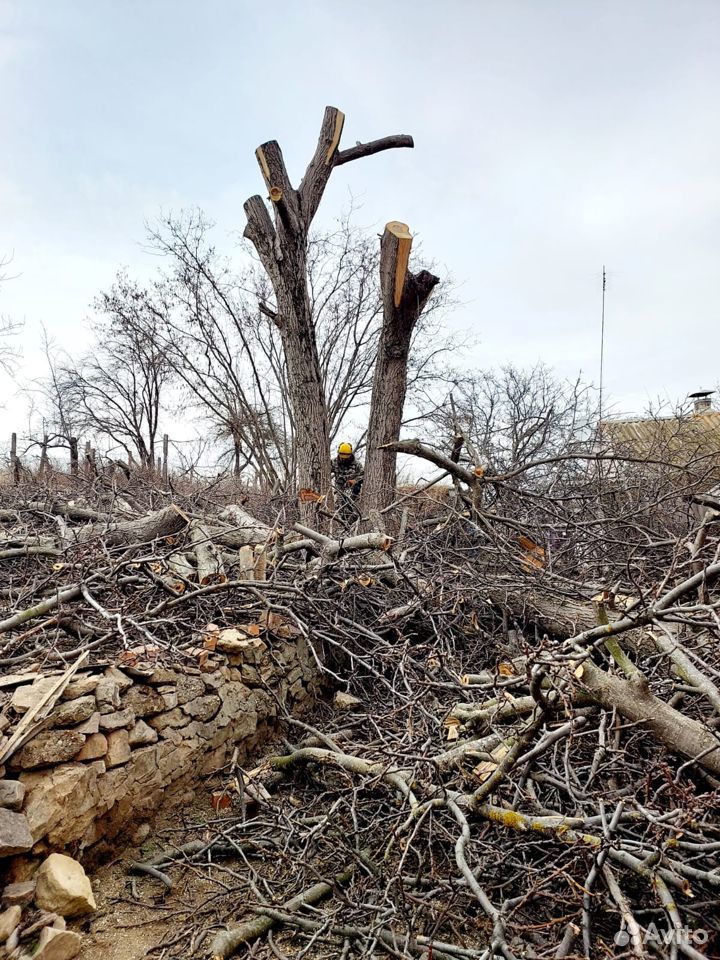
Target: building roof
[(679, 439)]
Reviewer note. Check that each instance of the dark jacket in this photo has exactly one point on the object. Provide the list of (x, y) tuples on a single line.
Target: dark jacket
[(348, 473)]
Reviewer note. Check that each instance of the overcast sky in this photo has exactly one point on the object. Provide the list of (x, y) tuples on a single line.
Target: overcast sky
[(550, 138)]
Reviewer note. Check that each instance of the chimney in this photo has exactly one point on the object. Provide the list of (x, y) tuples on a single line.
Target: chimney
[(701, 400)]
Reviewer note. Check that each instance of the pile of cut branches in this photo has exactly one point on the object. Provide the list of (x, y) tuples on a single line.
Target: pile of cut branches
[(522, 759)]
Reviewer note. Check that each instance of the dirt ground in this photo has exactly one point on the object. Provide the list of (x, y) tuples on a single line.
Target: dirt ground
[(136, 916)]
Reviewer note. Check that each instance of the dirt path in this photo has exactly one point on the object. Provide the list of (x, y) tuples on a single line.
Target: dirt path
[(136, 916)]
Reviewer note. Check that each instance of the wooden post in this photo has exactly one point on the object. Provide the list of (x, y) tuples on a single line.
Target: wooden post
[(73, 456), (166, 447), (43, 456), (14, 462)]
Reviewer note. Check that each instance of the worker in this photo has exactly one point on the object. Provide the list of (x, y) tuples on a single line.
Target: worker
[(348, 472)]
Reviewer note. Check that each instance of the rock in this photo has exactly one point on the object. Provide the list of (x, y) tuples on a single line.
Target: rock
[(116, 721), (26, 697), (141, 834), (142, 734), (242, 649), (80, 686), (15, 836), (48, 747), (57, 944), (9, 919), (63, 887), (56, 800), (107, 694), (91, 725), (117, 676), (345, 701), (169, 695), (95, 746), (73, 712), (158, 676), (18, 894), (204, 708), (174, 718), (12, 794), (118, 748), (189, 688), (144, 701)]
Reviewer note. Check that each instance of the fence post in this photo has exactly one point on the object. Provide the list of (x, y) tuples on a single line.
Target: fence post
[(166, 447), (42, 469), (14, 462)]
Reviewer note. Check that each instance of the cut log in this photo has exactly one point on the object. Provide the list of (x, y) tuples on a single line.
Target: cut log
[(154, 526), (210, 567)]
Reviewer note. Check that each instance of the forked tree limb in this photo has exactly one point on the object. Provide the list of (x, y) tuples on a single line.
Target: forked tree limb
[(228, 941)]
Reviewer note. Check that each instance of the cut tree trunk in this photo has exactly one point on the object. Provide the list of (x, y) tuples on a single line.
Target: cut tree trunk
[(405, 295), (282, 249)]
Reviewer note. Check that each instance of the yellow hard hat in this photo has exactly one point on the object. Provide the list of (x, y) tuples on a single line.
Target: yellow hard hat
[(345, 450)]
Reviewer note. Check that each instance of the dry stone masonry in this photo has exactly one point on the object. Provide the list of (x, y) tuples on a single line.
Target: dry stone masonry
[(122, 735)]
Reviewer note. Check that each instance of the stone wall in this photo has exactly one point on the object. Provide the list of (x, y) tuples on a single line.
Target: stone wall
[(123, 735)]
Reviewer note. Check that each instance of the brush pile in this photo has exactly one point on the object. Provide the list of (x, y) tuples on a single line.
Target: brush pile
[(522, 758)]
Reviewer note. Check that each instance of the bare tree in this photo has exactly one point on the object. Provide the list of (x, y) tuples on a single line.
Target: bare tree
[(218, 332), (117, 389)]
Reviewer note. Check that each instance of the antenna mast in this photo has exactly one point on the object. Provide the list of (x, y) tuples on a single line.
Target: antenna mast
[(602, 344)]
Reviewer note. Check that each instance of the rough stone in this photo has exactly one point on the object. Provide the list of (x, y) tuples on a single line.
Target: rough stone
[(48, 747), (169, 695), (26, 697), (160, 675), (12, 794), (63, 887), (15, 836), (55, 944), (95, 746), (121, 679), (141, 834), (142, 734), (189, 688), (18, 894), (174, 718), (297, 689), (204, 708), (345, 701), (91, 725), (54, 797), (9, 919), (144, 701), (80, 686), (118, 720), (73, 712), (118, 748), (107, 694)]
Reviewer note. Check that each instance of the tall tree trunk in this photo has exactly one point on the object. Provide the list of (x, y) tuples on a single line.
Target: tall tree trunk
[(282, 248), (405, 295)]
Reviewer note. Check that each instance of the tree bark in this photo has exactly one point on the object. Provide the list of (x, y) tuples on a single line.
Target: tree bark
[(405, 295), (282, 249)]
